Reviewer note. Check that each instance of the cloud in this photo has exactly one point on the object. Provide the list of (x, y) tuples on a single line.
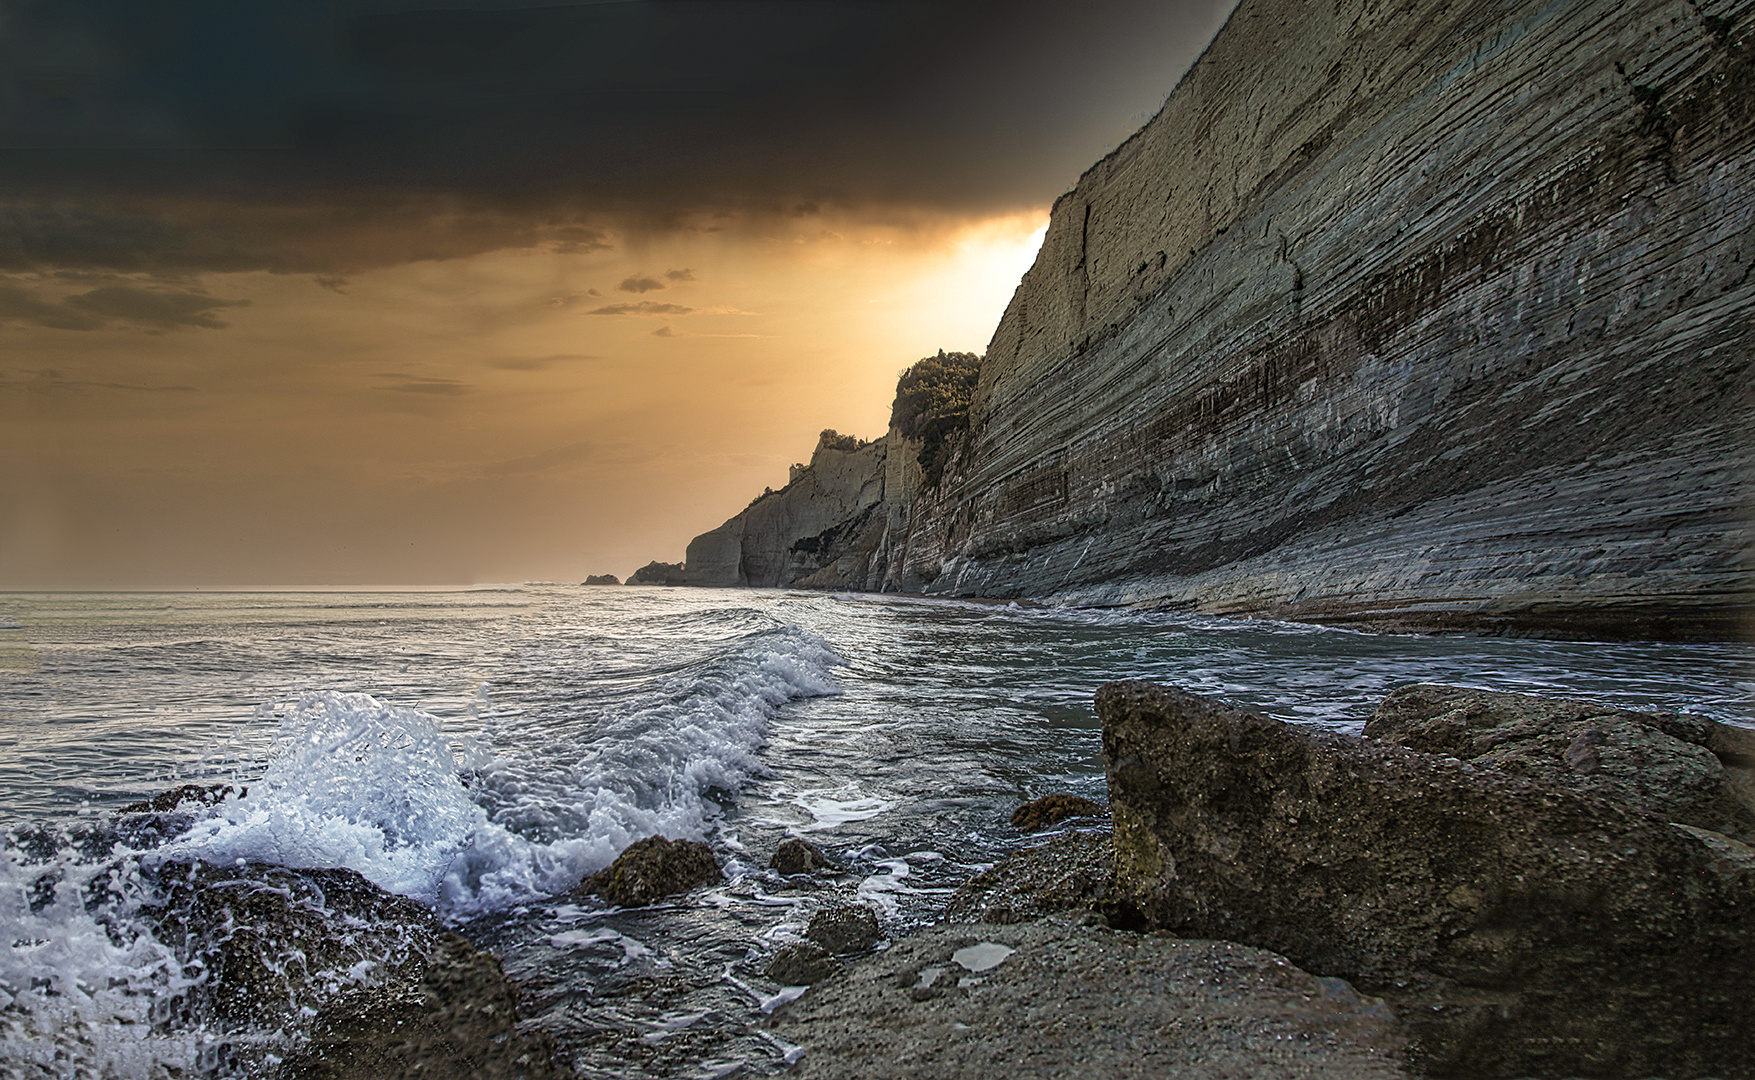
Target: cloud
[(643, 307), (537, 363), (667, 332), (332, 282), (638, 284), (162, 310), (555, 460), (109, 305), (20, 305), (684, 274), (50, 379), (421, 384), (339, 137)]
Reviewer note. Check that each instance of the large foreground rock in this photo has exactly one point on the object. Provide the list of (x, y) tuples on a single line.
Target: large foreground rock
[(1067, 999), (1519, 927), (1661, 763)]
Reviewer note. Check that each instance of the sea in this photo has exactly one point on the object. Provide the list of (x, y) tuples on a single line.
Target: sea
[(481, 750)]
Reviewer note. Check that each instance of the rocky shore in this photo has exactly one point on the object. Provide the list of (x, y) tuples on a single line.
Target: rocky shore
[(1481, 885)]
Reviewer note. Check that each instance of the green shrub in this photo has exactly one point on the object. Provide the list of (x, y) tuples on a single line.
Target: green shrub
[(932, 403)]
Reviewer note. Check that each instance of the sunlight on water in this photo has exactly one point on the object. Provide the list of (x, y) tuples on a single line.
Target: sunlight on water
[(481, 751)]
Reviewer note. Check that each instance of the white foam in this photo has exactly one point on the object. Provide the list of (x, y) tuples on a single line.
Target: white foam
[(376, 788), (73, 1000)]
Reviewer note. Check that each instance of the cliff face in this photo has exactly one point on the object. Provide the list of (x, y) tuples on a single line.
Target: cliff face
[(818, 531), (1438, 313)]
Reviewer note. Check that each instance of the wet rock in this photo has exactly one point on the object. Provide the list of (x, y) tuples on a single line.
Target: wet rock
[(653, 868), (268, 942), (1516, 924), (1070, 872), (1053, 809), (1059, 998), (802, 965), (1659, 763), (602, 579), (456, 1020), (797, 856), (845, 929), (167, 801)]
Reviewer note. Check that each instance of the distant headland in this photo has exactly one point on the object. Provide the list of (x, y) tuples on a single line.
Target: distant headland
[(1438, 317)]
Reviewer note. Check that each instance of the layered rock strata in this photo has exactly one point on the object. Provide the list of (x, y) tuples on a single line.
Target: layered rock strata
[(820, 530), (1520, 926), (1435, 314)]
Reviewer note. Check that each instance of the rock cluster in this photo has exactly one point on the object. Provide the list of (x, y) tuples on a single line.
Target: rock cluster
[(1531, 919), (603, 579), (651, 869)]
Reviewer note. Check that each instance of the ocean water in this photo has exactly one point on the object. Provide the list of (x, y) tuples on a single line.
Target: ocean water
[(480, 750)]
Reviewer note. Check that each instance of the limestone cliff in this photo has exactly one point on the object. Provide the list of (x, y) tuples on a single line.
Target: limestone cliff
[(819, 531), (1433, 313)]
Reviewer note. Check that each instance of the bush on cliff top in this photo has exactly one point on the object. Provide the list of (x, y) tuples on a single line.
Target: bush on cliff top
[(932, 403)]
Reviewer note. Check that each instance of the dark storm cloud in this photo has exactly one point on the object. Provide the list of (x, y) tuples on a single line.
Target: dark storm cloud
[(333, 137)]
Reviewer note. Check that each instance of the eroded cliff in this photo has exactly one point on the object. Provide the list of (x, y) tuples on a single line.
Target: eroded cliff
[(1435, 313)]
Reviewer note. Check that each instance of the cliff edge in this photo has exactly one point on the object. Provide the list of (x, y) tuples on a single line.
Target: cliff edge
[(1429, 315)]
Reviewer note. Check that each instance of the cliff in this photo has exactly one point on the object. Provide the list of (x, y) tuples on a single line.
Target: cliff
[(1438, 314), (820, 530)]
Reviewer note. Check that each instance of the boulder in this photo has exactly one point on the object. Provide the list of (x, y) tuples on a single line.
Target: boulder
[(1070, 872), (802, 965), (845, 929), (1521, 927), (653, 868), (602, 579), (1660, 763), (269, 942), (1053, 809), (1061, 998), (458, 1020), (797, 856)]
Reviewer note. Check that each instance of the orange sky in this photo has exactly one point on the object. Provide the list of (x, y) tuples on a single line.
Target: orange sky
[(516, 415), (460, 291)]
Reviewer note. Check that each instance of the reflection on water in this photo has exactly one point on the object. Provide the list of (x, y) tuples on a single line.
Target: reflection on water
[(898, 734)]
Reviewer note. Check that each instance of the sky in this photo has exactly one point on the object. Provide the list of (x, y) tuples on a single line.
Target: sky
[(380, 292)]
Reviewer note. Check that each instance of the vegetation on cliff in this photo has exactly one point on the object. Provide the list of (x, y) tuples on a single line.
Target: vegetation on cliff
[(932, 403)]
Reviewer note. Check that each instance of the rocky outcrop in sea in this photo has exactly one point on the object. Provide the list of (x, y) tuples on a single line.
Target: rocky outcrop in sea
[(1437, 315)]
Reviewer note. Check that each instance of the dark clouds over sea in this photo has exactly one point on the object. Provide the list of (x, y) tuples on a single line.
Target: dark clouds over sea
[(332, 135)]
